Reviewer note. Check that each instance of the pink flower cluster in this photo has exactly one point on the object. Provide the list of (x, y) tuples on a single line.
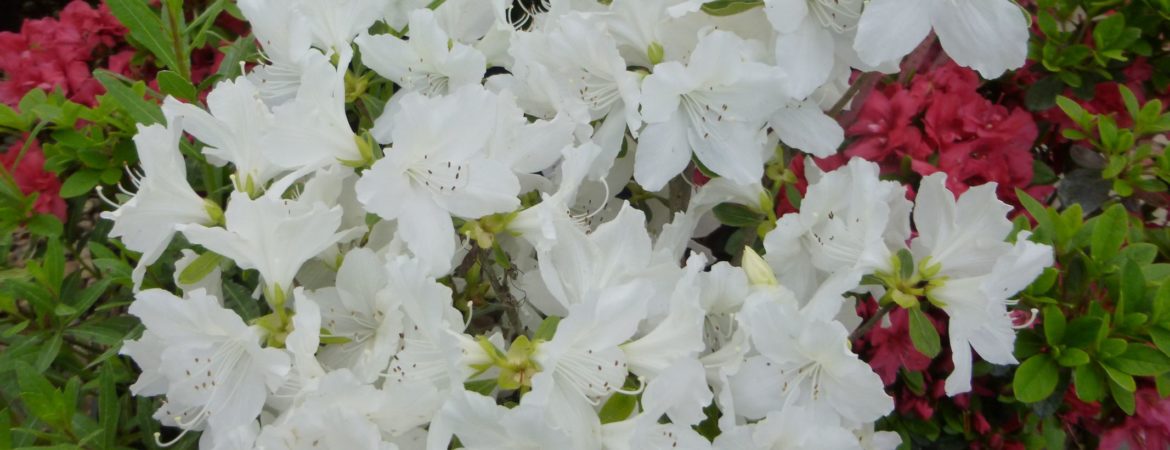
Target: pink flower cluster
[(941, 122), (31, 177), (61, 54)]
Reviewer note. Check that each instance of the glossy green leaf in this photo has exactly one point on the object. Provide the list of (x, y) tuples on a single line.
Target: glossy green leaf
[(1109, 233), (173, 84), (129, 100), (202, 266), (1089, 383), (730, 7), (1054, 324), (923, 334), (80, 183), (1073, 357), (1036, 378), (1141, 360), (147, 28), (617, 408)]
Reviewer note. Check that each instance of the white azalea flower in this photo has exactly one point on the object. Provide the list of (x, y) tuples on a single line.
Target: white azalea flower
[(364, 310), (848, 223), (806, 35), (528, 146), (283, 35), (804, 364), (312, 131), (435, 353), (432, 173), (273, 236), (715, 106), (580, 264), (217, 375), (582, 364), (637, 25), (990, 36), (425, 63), (334, 23), (336, 415), (540, 223), (147, 222), (964, 241), (233, 130), (585, 63), (481, 424), (678, 336)]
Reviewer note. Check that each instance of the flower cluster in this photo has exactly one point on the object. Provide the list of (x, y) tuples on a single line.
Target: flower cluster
[(940, 123), (61, 53), (468, 263)]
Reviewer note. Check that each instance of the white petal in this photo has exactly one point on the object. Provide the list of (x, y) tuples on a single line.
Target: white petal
[(891, 29), (491, 187), (990, 36), (812, 45), (786, 15), (663, 152), (807, 128)]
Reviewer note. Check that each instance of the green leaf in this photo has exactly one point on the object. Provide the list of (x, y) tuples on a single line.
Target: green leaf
[(1133, 288), (905, 264), (547, 328), (46, 225), (1141, 360), (49, 352), (730, 7), (1074, 110), (923, 334), (80, 183), (54, 264), (131, 101), (1161, 337), (5, 428), (1044, 222), (10, 119), (147, 28), (1073, 357), (39, 396), (1036, 378), (1109, 233), (1054, 324), (109, 406), (1124, 380), (90, 296), (1123, 397), (1142, 253), (1108, 30), (482, 387), (1089, 383), (737, 215), (199, 268), (617, 408), (1042, 94), (172, 83), (1130, 100), (1111, 347)]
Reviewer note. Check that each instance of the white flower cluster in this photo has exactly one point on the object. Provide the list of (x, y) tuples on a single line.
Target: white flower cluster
[(368, 241)]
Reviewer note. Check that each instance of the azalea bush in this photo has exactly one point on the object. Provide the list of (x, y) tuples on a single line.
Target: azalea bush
[(585, 224)]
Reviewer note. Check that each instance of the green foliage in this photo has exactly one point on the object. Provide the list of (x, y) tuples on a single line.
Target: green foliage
[(64, 285), (1104, 317), (1083, 42), (1130, 160)]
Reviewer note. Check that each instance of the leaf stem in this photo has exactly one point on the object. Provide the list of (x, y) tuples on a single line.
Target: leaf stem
[(870, 322)]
